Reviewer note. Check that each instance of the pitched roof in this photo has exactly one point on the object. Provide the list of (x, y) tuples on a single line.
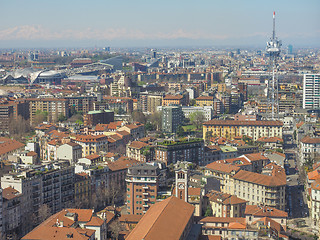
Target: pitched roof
[(263, 211), (236, 225), (130, 218), (222, 167), (167, 219), (224, 198), (194, 191), (314, 175), (240, 161), (316, 184), (310, 140), (137, 144), (256, 156), (261, 179), (122, 163), (7, 145), (10, 193), (95, 221)]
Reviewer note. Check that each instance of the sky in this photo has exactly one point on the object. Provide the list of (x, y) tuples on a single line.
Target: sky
[(148, 23)]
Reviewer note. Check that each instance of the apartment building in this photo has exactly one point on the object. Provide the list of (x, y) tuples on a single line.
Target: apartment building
[(140, 151), (254, 129), (92, 144), (136, 130), (51, 184), (311, 91), (174, 100), (225, 205), (172, 118), (224, 173), (266, 189), (92, 118), (207, 111), (228, 228), (142, 188), (315, 203), (82, 104), (181, 150), (309, 148), (11, 212), (53, 106), (70, 151), (205, 101), (82, 189)]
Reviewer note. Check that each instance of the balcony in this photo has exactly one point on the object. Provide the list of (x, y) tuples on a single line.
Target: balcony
[(145, 193), (146, 206), (145, 187), (145, 199)]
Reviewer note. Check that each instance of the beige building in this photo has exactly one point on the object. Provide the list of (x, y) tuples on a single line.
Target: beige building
[(153, 102), (224, 173), (140, 151), (266, 189), (92, 144), (315, 203), (231, 128), (53, 106), (225, 205)]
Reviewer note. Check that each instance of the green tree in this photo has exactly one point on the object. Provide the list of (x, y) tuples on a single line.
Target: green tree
[(193, 102), (180, 131), (197, 118), (208, 136), (62, 118), (208, 212), (138, 116), (155, 119)]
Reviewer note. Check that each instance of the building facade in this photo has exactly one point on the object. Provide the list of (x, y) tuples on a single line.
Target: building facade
[(172, 118), (311, 91), (142, 188), (254, 129)]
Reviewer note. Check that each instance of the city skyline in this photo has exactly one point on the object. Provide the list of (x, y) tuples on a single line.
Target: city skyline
[(143, 23)]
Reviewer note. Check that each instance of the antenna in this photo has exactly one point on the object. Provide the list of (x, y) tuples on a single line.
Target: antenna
[(273, 49)]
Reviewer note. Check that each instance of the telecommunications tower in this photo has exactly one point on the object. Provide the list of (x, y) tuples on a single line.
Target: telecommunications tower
[(273, 49)]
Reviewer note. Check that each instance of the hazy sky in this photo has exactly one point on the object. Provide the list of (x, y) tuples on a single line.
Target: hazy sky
[(43, 23)]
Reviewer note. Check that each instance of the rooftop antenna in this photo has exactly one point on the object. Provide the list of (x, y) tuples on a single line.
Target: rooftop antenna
[(273, 49)]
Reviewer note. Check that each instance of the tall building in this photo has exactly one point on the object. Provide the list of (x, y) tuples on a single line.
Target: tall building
[(53, 106), (311, 91), (172, 118), (51, 184), (142, 188)]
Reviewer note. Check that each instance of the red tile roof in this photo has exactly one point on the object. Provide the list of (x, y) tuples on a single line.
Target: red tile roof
[(137, 144), (263, 211), (167, 219), (276, 180), (10, 193), (310, 140), (8, 145), (222, 167)]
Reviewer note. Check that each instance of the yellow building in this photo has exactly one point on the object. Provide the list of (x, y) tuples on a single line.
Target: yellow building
[(82, 189), (231, 128), (205, 101)]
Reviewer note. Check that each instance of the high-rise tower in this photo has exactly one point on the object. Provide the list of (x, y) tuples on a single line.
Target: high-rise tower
[(273, 49)]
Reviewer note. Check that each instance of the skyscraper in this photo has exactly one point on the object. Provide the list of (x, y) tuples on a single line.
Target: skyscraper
[(311, 91)]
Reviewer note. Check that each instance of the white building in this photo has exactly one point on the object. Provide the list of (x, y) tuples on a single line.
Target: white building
[(311, 91), (70, 151), (206, 110), (315, 203), (309, 148)]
